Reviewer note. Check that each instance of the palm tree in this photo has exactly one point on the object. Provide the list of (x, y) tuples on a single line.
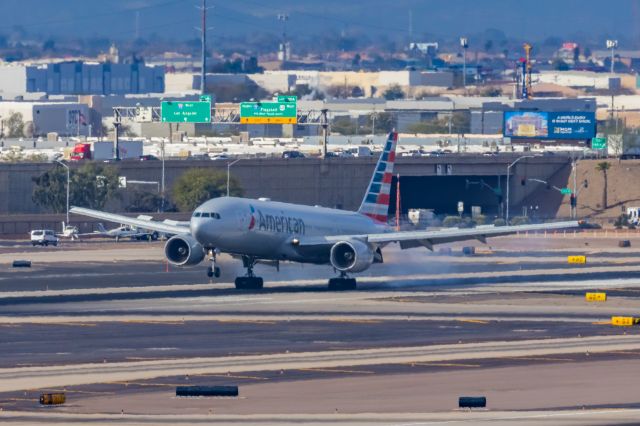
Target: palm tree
[(603, 167)]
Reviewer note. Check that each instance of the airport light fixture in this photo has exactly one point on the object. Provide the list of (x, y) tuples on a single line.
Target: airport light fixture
[(509, 178), (68, 182), (613, 45), (229, 172)]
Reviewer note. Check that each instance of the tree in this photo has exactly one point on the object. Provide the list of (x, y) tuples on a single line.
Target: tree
[(603, 167), (92, 185), (144, 201), (393, 92), (196, 186), (50, 191), (14, 125)]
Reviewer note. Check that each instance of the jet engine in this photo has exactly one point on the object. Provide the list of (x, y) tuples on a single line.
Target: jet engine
[(351, 256), (183, 250)]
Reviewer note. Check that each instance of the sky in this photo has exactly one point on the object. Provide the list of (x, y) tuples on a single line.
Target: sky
[(123, 19)]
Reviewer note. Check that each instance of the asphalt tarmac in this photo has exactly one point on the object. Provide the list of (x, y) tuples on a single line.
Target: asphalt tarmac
[(117, 329)]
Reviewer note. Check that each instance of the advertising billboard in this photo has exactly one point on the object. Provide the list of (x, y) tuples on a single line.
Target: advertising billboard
[(549, 125)]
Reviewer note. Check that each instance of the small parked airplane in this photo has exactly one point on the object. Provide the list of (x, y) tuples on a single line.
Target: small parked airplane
[(126, 231), (264, 231)]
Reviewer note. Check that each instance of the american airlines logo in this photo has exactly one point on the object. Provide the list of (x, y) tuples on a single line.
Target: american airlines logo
[(281, 224)]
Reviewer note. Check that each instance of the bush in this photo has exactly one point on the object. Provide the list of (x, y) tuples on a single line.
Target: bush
[(451, 221), (520, 220), (480, 219), (499, 222)]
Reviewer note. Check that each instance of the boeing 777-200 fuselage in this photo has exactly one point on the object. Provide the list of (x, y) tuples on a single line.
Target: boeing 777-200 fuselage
[(270, 232)]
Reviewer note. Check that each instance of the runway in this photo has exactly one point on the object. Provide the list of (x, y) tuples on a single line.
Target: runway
[(118, 330)]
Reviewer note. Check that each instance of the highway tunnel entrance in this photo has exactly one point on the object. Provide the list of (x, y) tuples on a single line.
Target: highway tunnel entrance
[(442, 194)]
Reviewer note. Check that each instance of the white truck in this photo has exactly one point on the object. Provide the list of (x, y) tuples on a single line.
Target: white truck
[(43, 237)]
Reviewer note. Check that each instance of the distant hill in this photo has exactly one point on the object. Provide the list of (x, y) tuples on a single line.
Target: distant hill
[(116, 19)]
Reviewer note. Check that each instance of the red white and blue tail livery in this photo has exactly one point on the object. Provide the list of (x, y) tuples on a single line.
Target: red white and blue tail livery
[(376, 200)]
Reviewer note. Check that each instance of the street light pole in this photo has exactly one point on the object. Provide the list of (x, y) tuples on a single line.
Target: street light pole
[(68, 181), (229, 173), (509, 179)]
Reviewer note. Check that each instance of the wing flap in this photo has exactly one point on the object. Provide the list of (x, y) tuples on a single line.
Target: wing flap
[(138, 223)]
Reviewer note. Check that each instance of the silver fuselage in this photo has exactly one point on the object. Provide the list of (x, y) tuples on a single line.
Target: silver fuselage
[(267, 229)]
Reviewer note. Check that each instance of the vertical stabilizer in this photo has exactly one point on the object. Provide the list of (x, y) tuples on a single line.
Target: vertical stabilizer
[(376, 200)]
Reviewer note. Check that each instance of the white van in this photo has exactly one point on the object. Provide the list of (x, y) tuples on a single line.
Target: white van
[(43, 237)]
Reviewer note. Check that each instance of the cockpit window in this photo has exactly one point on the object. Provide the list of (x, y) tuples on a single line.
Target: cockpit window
[(205, 214), (215, 215), (196, 214)]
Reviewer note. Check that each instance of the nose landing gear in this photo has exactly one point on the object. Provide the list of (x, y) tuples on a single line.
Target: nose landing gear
[(213, 270)]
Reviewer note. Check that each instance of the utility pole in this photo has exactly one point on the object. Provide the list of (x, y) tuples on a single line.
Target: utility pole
[(324, 123), (464, 43), (284, 48), (203, 43), (612, 44)]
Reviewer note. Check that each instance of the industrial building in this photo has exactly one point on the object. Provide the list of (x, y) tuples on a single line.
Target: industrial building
[(80, 78), (40, 118)]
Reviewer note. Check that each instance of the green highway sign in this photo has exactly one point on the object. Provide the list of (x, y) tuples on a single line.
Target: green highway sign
[(286, 98), (565, 191), (268, 113), (185, 112), (599, 143)]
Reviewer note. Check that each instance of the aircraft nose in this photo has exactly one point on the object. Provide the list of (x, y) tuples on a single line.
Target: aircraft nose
[(198, 229)]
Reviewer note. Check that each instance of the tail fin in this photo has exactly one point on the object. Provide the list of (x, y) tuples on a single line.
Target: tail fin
[(376, 201)]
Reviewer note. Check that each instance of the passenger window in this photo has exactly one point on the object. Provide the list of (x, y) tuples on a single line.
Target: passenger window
[(205, 215)]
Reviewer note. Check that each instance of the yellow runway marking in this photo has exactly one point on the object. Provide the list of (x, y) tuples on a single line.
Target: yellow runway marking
[(152, 322), (473, 321), (148, 384), (79, 391), (231, 376), (443, 364), (534, 358), (74, 324), (356, 321), (601, 323), (330, 370), (624, 352), (247, 321)]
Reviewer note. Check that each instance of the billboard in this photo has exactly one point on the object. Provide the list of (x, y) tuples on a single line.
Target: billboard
[(549, 125)]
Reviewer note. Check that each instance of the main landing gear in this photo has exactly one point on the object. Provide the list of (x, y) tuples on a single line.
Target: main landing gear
[(249, 281), (342, 283)]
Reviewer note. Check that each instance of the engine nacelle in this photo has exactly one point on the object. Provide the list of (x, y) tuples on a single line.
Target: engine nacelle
[(351, 256), (183, 250)]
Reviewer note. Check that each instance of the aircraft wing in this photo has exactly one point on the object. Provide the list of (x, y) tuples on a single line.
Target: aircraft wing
[(411, 239), (151, 225)]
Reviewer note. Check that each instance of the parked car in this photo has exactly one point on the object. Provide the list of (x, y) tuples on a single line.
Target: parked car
[(292, 154), (43, 237), (148, 157)]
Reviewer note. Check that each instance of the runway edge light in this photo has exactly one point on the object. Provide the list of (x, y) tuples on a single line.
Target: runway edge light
[(596, 297)]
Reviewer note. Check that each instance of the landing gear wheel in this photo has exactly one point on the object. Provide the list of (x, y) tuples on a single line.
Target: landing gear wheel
[(217, 272), (210, 272), (342, 284), (249, 283)]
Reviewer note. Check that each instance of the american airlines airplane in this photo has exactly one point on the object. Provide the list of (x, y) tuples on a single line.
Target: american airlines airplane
[(264, 231)]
